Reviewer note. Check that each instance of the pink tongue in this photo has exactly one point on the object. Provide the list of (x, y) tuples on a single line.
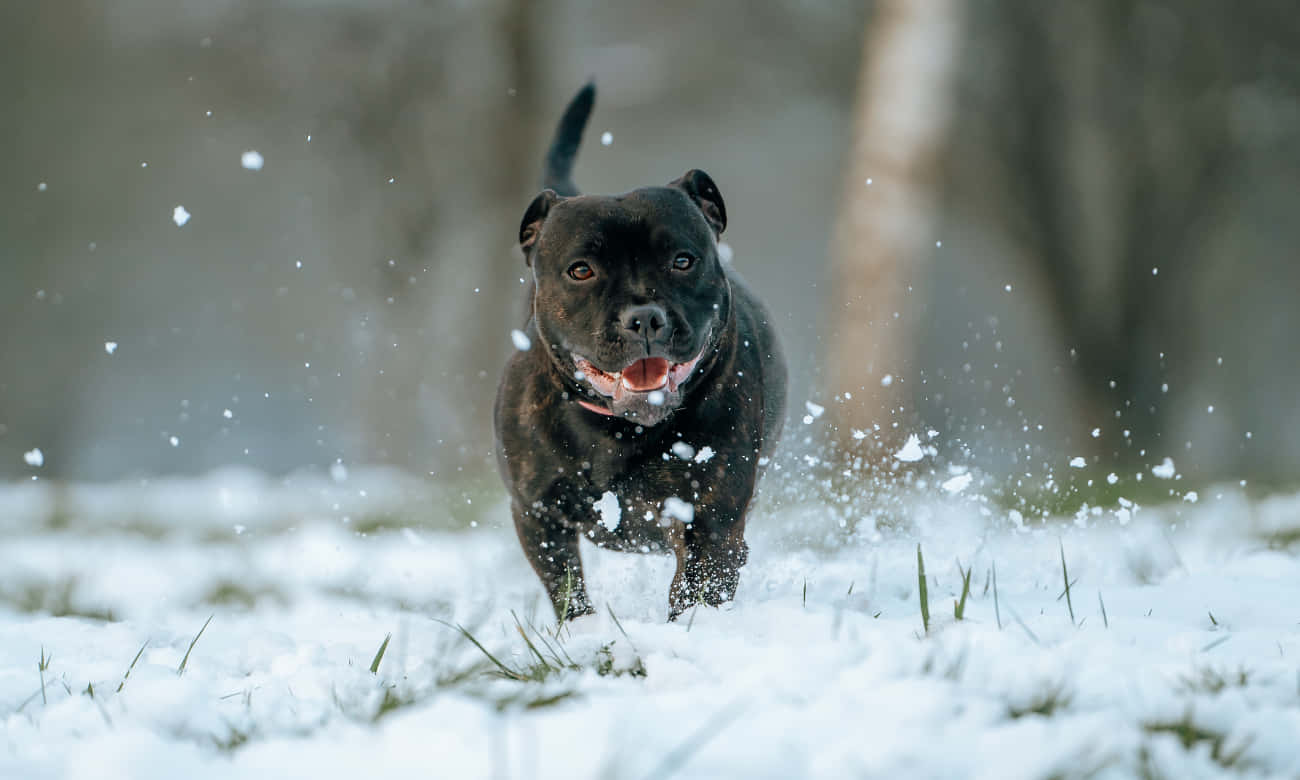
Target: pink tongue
[(646, 374)]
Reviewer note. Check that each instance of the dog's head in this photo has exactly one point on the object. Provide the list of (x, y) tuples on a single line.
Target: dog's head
[(629, 293)]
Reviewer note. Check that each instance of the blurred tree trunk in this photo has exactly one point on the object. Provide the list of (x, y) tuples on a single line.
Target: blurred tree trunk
[(886, 226)]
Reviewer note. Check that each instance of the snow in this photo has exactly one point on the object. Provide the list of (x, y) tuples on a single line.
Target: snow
[(110, 347), (705, 454), (252, 160), (678, 509), (683, 450), (1165, 470), (34, 457), (819, 669), (958, 483), (816, 410), (656, 397), (606, 138), (911, 451), (609, 510), (1078, 462), (887, 380), (180, 216), (521, 340)]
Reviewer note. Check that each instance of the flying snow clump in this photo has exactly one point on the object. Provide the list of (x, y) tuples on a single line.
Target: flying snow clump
[(110, 347), (34, 457), (958, 483), (521, 340), (678, 509), (252, 160), (911, 451), (180, 216), (610, 512), (683, 450), (1165, 470)]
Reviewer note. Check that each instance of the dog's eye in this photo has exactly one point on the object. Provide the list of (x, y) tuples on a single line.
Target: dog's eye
[(580, 272), (683, 262)]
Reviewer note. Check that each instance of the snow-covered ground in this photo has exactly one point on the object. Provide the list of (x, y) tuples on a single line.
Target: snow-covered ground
[(821, 668)]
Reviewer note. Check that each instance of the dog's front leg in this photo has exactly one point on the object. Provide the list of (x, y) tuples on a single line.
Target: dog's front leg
[(709, 557), (552, 550)]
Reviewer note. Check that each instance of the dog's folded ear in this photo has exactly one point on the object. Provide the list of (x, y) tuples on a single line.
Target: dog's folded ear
[(531, 226), (704, 193)]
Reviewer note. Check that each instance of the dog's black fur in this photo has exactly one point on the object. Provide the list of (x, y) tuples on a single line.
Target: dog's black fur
[(631, 286)]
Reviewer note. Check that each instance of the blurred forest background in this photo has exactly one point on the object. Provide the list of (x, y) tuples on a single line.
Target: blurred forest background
[(1011, 222)]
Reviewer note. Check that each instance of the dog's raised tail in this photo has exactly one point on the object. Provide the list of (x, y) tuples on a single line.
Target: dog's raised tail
[(558, 175)]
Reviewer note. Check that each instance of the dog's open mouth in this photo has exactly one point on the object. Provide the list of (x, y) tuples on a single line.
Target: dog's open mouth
[(641, 376)]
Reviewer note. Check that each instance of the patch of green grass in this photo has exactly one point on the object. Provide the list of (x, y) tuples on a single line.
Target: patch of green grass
[(1285, 540), (951, 669), (233, 594), (547, 657), (233, 740), (1190, 735), (1213, 680), (1070, 492), (1045, 702), (57, 599)]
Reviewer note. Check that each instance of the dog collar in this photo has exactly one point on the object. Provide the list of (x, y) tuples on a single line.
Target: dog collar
[(588, 405)]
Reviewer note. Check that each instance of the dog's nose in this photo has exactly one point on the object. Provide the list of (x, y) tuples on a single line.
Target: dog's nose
[(648, 321)]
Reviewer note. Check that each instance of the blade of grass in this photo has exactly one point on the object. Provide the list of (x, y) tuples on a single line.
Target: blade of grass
[(619, 626), (41, 666), (1065, 574), (1104, 619), (1025, 627), (923, 591), (132, 666), (180, 670), (997, 610), (529, 643), (1216, 643), (504, 670), (379, 656), (679, 755), (959, 607)]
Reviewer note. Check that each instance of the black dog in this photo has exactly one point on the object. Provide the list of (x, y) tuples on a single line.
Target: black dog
[(652, 388)]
